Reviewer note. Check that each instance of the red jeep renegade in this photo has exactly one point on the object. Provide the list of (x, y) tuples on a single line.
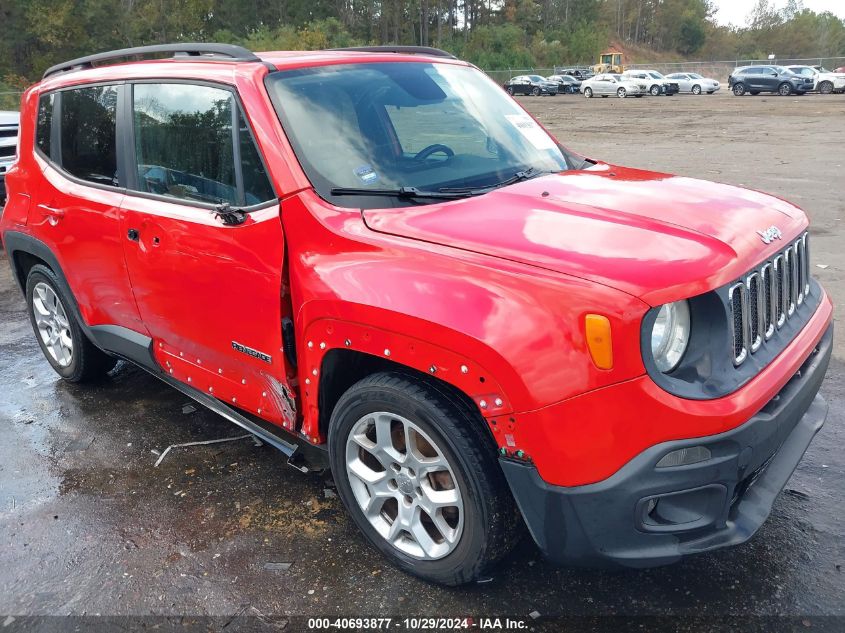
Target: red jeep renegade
[(376, 261)]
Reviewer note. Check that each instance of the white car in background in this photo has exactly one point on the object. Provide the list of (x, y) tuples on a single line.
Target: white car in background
[(607, 84), (9, 123), (824, 81), (657, 83), (695, 83)]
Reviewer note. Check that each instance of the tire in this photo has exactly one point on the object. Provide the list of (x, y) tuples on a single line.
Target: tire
[(738, 89), (784, 90), (588, 93), (510, 90), (621, 93), (826, 87), (654, 90), (536, 91), (70, 353), (696, 89), (484, 524)]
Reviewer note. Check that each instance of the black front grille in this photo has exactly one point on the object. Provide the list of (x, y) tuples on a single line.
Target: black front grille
[(7, 151), (767, 297)]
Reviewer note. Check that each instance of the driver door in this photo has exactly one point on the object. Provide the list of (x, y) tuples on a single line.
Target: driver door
[(209, 289)]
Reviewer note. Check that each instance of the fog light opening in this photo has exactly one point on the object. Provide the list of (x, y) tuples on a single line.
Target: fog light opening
[(684, 457)]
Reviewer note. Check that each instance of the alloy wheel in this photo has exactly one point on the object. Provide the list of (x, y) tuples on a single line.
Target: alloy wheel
[(588, 92), (621, 93), (655, 90), (53, 324), (404, 485), (784, 90), (696, 90)]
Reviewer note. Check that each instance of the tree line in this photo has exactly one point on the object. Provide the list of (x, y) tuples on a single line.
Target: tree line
[(494, 34)]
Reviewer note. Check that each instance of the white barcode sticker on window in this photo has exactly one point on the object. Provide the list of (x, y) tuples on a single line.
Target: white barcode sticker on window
[(530, 130)]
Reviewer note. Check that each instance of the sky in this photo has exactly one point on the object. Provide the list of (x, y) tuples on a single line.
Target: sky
[(736, 11)]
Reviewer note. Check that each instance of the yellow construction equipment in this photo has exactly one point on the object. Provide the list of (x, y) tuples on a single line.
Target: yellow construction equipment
[(609, 62)]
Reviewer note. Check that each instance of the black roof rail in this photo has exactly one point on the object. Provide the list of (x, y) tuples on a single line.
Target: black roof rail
[(197, 51), (408, 50)]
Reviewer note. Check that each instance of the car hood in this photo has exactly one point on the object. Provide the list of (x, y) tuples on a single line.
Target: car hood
[(655, 236)]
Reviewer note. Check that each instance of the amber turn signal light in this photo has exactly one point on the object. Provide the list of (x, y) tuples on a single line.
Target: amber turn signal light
[(599, 340)]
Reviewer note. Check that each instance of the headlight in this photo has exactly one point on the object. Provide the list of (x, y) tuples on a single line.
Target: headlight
[(670, 335)]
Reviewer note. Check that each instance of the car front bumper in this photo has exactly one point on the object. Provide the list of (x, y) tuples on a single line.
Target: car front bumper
[(714, 503)]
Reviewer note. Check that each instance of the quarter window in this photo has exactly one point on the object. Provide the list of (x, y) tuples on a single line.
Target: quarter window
[(185, 142), (88, 148), (44, 124)]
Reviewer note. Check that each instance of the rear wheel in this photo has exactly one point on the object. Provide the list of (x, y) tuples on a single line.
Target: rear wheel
[(588, 92), (59, 335), (784, 90), (696, 89), (510, 90), (739, 89), (418, 472), (826, 87)]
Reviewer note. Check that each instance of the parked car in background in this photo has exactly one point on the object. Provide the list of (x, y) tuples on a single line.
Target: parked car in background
[(694, 83), (824, 81), (579, 73), (531, 85), (9, 122), (657, 83), (566, 84), (777, 79), (607, 84)]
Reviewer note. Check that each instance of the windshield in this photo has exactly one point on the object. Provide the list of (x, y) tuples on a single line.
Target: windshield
[(695, 76), (536, 78), (656, 75), (392, 125)]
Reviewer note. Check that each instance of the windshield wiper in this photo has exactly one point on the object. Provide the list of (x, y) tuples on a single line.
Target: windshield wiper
[(402, 192), (527, 174)]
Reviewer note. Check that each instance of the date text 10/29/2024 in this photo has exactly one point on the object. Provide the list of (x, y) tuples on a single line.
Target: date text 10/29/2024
[(419, 624)]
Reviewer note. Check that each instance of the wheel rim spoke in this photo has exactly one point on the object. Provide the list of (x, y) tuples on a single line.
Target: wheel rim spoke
[(52, 324), (403, 484)]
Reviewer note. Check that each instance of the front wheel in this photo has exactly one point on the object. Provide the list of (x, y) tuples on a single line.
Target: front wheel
[(654, 90), (588, 92), (418, 472), (739, 89), (826, 87), (784, 90), (621, 93), (510, 90), (696, 90), (59, 335)]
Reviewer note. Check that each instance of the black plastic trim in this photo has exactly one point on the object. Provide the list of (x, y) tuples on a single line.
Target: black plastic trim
[(407, 50), (194, 51)]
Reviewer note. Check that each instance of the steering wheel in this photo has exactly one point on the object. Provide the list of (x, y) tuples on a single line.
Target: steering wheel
[(433, 149)]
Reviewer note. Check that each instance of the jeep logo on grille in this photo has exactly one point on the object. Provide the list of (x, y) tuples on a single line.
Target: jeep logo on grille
[(252, 352), (770, 234)]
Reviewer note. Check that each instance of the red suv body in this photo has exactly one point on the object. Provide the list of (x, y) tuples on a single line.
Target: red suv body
[(630, 358)]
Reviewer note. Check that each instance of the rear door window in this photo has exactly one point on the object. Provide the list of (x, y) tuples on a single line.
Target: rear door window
[(88, 144), (44, 123), (186, 137)]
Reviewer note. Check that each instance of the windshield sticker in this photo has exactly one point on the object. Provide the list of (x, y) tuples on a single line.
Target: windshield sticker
[(366, 174), (531, 131)]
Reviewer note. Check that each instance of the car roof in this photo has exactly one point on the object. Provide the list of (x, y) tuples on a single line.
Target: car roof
[(214, 68)]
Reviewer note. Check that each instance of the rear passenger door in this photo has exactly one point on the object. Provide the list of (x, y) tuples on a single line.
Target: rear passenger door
[(208, 286), (77, 206)]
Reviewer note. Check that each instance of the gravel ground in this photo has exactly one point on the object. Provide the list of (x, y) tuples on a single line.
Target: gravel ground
[(89, 526)]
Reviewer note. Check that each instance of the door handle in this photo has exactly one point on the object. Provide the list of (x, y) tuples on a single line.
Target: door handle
[(52, 211), (133, 234)]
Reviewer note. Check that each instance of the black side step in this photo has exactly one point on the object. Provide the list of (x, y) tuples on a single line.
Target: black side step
[(234, 416)]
